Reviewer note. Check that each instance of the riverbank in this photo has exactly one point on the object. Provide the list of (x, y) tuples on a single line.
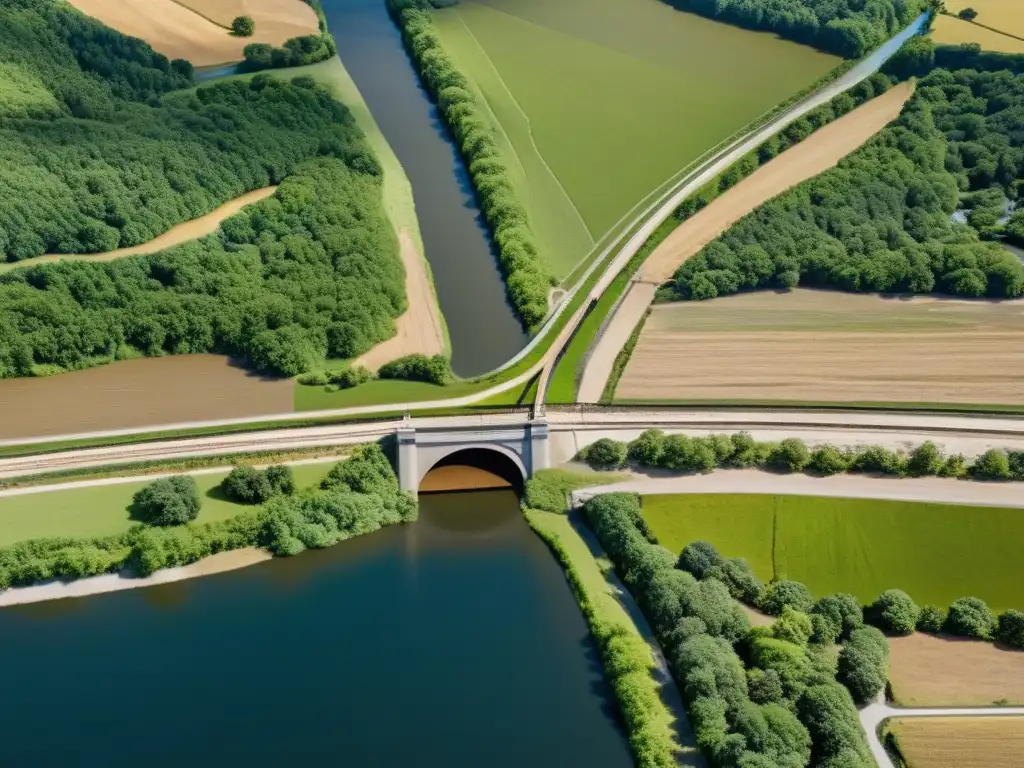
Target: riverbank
[(55, 589)]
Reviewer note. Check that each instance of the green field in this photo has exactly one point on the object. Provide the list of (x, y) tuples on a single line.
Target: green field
[(935, 552), (103, 510), (598, 102)]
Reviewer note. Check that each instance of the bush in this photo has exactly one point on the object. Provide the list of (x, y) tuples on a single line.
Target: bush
[(994, 464), (765, 686), (170, 501), (895, 612), (954, 466), (1010, 630), (416, 367), (970, 617), (924, 460), (874, 459), (792, 626), (605, 454), (829, 460), (349, 377), (829, 714), (367, 470), (243, 26), (248, 485), (792, 455), (780, 594), (646, 449), (699, 558), (863, 664), (931, 619), (840, 614), (737, 574)]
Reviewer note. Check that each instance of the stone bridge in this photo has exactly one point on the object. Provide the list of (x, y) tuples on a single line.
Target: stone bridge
[(420, 448)]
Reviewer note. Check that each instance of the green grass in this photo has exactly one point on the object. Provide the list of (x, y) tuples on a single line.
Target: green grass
[(617, 95), (103, 510), (935, 552)]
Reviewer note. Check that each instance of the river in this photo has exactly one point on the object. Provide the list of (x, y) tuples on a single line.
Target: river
[(454, 641), (484, 332)]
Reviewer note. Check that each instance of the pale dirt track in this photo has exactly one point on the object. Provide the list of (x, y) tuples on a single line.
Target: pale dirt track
[(930, 671), (820, 346), (180, 33), (961, 742), (181, 233), (816, 154), (419, 327)]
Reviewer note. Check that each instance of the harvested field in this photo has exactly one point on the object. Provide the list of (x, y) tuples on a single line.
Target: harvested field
[(1005, 15), (818, 346), (178, 32), (138, 393), (952, 31), (961, 742), (929, 671)]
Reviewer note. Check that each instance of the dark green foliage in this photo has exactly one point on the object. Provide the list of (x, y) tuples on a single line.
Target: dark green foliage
[(931, 619), (881, 221), (916, 58), (970, 56), (849, 28), (829, 460), (249, 485), (864, 664), (297, 51), (829, 714), (169, 501), (698, 558), (970, 617), (765, 686), (994, 464), (792, 455), (1010, 630), (605, 454), (876, 460), (894, 612), (243, 26), (779, 594), (646, 449), (792, 626), (417, 367), (926, 459), (739, 577), (840, 615), (954, 466), (526, 277), (367, 470), (968, 14)]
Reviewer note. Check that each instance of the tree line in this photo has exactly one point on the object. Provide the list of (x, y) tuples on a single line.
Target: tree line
[(296, 51), (112, 151), (527, 279), (882, 219), (359, 495), (848, 28)]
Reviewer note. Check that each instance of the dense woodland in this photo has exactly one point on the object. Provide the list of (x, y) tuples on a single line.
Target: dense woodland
[(97, 153), (882, 220), (849, 28), (117, 156)]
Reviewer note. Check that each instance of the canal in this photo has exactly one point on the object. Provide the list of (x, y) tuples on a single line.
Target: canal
[(454, 641), (483, 330)]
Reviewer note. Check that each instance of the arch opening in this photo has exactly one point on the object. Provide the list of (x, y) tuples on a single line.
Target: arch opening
[(474, 469)]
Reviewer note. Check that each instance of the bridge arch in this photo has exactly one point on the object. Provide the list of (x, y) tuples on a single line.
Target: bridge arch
[(497, 460)]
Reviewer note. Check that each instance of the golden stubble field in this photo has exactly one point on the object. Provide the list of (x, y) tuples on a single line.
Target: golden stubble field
[(928, 671), (961, 742), (823, 346), (1007, 16)]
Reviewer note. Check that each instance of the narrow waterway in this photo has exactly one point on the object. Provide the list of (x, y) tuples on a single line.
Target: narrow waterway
[(453, 641), (484, 332)]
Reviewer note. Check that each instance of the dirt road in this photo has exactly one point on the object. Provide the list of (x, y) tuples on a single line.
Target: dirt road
[(816, 154)]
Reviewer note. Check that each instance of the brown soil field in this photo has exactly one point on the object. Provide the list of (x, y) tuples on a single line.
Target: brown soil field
[(961, 742), (929, 671), (419, 327), (822, 346), (189, 230), (178, 32), (814, 155), (138, 393)]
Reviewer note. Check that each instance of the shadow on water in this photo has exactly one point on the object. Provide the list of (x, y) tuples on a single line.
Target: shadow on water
[(484, 332)]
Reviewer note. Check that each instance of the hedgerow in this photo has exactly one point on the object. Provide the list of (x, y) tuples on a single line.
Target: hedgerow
[(527, 279)]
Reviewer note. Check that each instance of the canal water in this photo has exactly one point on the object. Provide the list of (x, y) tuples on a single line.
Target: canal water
[(484, 332), (454, 641)]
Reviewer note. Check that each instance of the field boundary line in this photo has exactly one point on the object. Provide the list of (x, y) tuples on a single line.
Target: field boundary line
[(202, 16), (1002, 32), (529, 127)]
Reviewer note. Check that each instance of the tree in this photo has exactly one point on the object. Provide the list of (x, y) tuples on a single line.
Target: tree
[(699, 558), (765, 686), (780, 594), (792, 455), (841, 614), (863, 664), (931, 619), (605, 453), (169, 501), (970, 617), (994, 464), (895, 612), (829, 460), (926, 459), (367, 470), (646, 449), (793, 626), (1010, 630), (243, 26), (968, 14), (246, 485)]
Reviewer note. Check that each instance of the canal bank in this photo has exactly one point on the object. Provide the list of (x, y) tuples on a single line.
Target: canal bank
[(484, 332), (450, 641)]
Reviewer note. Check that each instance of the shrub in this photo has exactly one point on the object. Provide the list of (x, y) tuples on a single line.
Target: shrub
[(840, 615), (779, 594), (243, 26), (765, 686), (646, 449), (792, 626), (248, 485), (863, 664), (698, 558), (829, 460), (367, 470), (829, 714), (954, 466), (792, 455), (931, 619), (970, 617), (605, 454), (875, 459), (349, 377), (737, 574), (895, 612), (924, 460), (1010, 630), (994, 464), (416, 367), (170, 501)]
